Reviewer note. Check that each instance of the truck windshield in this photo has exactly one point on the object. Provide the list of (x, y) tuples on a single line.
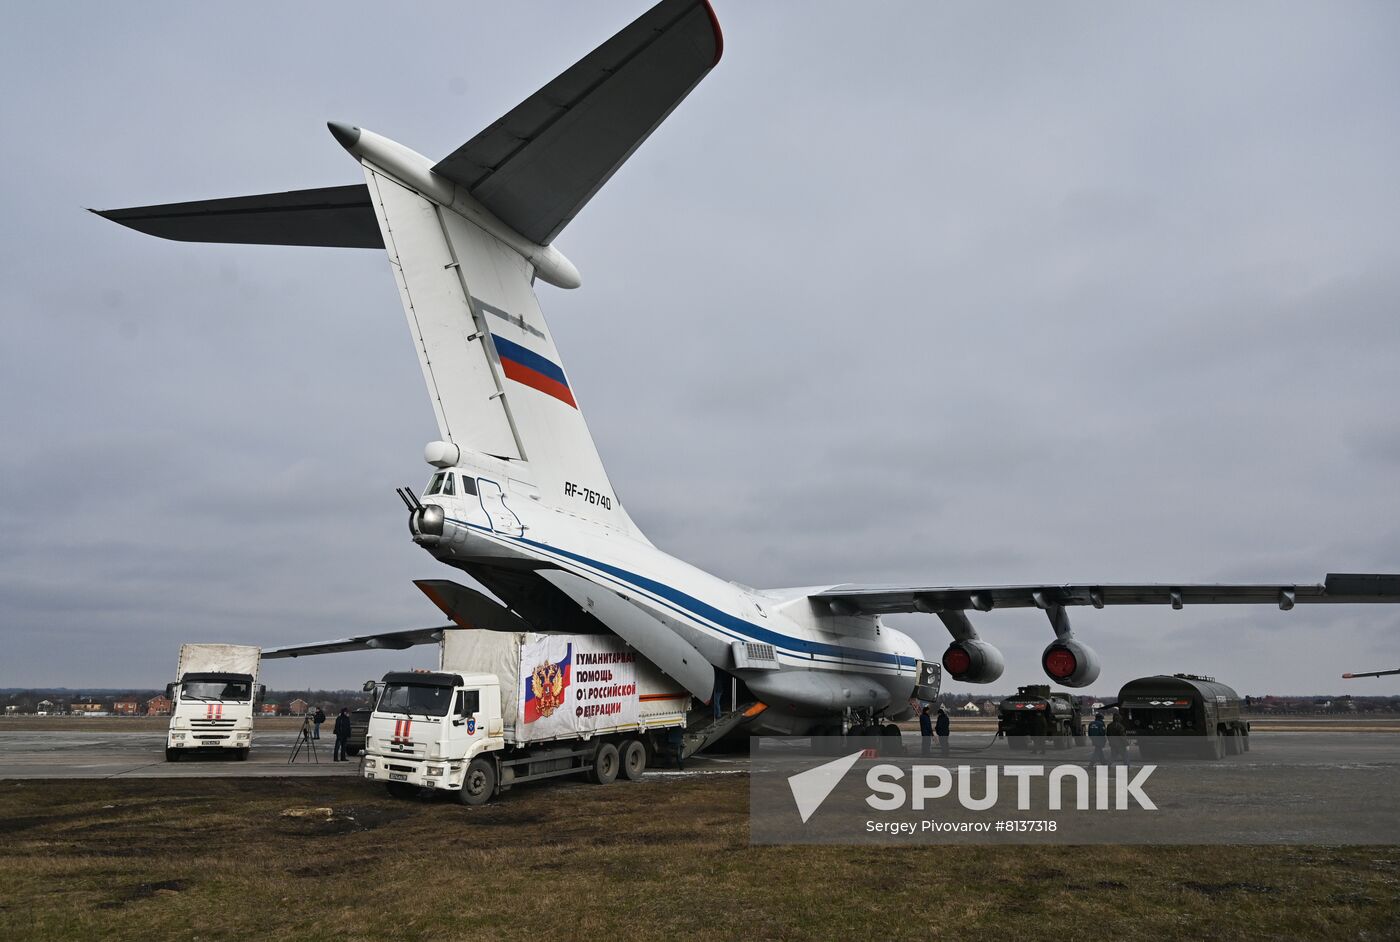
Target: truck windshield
[(422, 699), (216, 690)]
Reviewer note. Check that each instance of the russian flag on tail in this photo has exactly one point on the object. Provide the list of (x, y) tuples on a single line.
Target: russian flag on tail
[(528, 367)]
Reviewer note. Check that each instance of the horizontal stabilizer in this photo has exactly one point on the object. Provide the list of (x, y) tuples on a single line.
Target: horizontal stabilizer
[(383, 641), (539, 165), (470, 608), (333, 216)]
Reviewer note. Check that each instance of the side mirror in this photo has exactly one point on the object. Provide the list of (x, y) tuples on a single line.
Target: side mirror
[(170, 692), (368, 686), (260, 693)]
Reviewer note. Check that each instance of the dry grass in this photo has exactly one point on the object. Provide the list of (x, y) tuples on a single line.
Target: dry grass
[(218, 859)]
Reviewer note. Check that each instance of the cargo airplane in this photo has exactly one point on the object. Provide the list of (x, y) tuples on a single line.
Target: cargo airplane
[(519, 499)]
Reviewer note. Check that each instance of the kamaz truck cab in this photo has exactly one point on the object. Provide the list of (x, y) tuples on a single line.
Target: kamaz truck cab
[(428, 726)]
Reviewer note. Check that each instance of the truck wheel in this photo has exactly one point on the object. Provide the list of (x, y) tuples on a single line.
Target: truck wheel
[(605, 763), (634, 760), (1244, 742), (479, 784), (1216, 747), (352, 751), (172, 755), (243, 754), (1232, 743)]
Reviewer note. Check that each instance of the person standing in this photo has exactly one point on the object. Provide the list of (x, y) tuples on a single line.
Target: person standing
[(926, 731), (940, 728), (1118, 739), (1098, 734), (316, 722), (1038, 729), (342, 734)]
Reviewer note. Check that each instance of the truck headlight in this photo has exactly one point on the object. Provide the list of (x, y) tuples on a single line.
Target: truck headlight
[(434, 770), (369, 763), (177, 735)]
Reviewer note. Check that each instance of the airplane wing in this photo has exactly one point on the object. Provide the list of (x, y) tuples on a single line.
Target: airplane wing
[(1351, 676), (537, 166), (888, 600), (384, 641)]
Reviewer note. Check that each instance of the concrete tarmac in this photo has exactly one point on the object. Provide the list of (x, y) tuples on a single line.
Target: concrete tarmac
[(106, 754), (112, 754)]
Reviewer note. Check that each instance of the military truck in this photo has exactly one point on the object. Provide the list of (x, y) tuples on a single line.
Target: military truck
[(1063, 722), (1183, 715)]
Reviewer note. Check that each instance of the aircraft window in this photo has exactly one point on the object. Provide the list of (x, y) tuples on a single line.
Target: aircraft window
[(468, 486), (434, 485), (447, 488)]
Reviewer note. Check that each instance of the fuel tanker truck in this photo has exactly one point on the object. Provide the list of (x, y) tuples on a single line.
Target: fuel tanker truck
[(1183, 715), (1017, 717), (508, 707)]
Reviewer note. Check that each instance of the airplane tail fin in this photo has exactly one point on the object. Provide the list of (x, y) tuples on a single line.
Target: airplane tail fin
[(468, 235)]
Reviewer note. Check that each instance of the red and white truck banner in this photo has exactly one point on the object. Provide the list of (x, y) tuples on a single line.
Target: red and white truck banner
[(576, 684)]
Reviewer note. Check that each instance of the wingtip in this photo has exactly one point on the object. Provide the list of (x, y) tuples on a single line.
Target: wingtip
[(719, 33)]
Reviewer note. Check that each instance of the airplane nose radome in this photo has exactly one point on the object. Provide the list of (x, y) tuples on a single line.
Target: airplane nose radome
[(344, 133)]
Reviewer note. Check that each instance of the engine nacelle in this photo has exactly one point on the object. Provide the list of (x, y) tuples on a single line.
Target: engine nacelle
[(1070, 663), (975, 662)]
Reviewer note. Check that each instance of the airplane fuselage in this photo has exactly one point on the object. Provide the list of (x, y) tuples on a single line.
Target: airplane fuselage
[(824, 662)]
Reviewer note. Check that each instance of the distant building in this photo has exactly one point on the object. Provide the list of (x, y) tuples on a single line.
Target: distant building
[(297, 707), (970, 708), (86, 707), (126, 707), (988, 708), (11, 709), (269, 709), (46, 707), (158, 706)]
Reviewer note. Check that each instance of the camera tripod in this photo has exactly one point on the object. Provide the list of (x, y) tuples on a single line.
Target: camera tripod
[(305, 743)]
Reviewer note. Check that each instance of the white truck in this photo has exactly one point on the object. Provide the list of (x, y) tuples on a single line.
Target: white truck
[(507, 707), (212, 699)]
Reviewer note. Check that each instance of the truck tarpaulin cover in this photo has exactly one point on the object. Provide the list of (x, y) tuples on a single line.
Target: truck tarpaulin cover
[(576, 684)]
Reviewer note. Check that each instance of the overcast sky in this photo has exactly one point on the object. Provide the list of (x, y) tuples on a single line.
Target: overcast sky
[(974, 293)]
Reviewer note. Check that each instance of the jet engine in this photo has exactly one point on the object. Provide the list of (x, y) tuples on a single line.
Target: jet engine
[(975, 662), (1071, 663)]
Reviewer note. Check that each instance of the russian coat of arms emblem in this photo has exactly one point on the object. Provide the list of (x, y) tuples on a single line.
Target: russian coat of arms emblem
[(548, 683)]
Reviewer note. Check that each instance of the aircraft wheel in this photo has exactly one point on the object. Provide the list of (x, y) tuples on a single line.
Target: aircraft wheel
[(479, 784), (634, 760), (605, 764)]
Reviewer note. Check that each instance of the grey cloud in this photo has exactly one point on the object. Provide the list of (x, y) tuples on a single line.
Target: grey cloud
[(902, 292)]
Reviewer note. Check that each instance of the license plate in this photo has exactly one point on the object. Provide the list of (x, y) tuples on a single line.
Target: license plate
[(398, 777)]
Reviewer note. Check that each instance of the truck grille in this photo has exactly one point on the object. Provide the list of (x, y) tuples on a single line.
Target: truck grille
[(212, 724)]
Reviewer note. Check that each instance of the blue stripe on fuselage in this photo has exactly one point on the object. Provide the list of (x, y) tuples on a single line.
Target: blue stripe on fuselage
[(735, 627)]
